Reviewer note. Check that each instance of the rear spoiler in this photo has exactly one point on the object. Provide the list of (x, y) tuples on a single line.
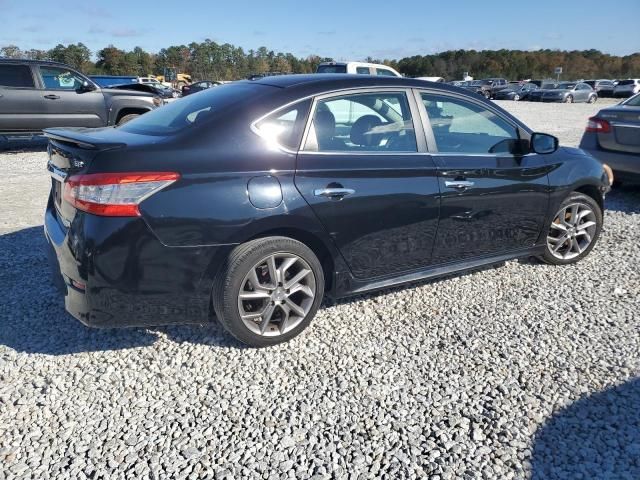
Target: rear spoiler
[(81, 138)]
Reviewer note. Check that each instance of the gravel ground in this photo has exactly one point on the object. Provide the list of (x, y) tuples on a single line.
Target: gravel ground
[(520, 371)]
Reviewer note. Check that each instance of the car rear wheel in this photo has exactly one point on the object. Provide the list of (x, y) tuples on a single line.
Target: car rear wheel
[(269, 290), (592, 99), (516, 97), (569, 99), (574, 230)]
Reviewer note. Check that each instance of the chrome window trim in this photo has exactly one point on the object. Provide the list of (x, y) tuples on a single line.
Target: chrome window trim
[(355, 91)]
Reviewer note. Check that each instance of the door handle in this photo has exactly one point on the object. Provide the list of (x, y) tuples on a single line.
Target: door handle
[(51, 97), (458, 184), (336, 193)]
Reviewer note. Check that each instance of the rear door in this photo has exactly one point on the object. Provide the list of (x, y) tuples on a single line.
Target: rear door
[(66, 104), (494, 197), (364, 170), (21, 105)]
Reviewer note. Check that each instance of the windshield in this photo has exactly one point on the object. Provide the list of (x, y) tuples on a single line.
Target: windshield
[(176, 116), (478, 83), (564, 86), (332, 69), (633, 101)]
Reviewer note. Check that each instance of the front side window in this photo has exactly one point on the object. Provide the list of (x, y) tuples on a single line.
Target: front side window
[(284, 127), (365, 122), (460, 126), (60, 78), (16, 76)]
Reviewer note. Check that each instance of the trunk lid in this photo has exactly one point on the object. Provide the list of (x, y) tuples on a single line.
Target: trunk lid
[(625, 129)]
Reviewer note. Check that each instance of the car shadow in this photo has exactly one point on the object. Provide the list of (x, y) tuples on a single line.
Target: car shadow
[(33, 318), (12, 144), (596, 437), (624, 198)]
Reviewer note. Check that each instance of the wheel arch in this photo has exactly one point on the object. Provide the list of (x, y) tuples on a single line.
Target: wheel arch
[(593, 192)]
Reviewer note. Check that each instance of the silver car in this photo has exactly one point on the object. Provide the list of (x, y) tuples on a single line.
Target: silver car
[(565, 92), (613, 137)]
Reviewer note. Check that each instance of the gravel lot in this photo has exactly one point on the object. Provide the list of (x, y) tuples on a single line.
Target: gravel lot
[(520, 371)]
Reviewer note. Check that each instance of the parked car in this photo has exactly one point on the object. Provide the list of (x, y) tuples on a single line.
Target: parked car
[(604, 88), (361, 68), (627, 88), (108, 81), (35, 95), (565, 92), (487, 87), (544, 83), (159, 90), (198, 87), (515, 92), (242, 200), (431, 79), (613, 137)]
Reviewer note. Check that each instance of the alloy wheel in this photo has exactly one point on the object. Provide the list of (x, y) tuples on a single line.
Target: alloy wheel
[(572, 231), (276, 294)]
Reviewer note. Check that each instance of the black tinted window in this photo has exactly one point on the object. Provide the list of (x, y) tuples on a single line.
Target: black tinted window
[(16, 76), (332, 69)]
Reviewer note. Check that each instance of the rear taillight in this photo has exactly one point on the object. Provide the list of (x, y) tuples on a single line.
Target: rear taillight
[(115, 194), (598, 125)]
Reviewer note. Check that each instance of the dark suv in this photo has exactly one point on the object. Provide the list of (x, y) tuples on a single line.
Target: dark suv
[(35, 95)]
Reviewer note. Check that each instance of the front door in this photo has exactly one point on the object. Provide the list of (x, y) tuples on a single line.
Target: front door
[(494, 193), (66, 103), (364, 172)]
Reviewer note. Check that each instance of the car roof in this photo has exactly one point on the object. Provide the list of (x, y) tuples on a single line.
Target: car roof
[(31, 61), (317, 82)]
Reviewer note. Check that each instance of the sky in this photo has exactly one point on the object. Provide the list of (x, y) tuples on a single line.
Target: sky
[(344, 30)]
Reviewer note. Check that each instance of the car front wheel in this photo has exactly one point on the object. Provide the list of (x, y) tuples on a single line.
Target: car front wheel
[(574, 230), (268, 291)]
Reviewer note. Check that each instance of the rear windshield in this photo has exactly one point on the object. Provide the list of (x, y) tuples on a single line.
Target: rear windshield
[(332, 69), (633, 101), (192, 109)]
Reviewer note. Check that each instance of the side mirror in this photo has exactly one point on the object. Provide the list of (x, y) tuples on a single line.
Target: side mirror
[(87, 87), (543, 143)]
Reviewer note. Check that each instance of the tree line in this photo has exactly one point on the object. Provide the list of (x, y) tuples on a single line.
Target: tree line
[(214, 61)]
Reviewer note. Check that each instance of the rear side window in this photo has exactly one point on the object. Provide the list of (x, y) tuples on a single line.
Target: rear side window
[(626, 82), (284, 127), (363, 122), (384, 72), (362, 70), (16, 76)]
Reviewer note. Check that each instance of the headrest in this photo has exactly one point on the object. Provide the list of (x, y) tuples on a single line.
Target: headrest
[(325, 124), (361, 131)]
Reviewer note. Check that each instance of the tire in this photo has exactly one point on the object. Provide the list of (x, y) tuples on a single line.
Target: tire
[(487, 94), (569, 99), (562, 227), (516, 98), (592, 99), (251, 261), (127, 118)]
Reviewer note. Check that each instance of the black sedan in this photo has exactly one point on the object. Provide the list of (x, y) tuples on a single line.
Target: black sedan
[(252, 201), (613, 137), (198, 87), (515, 92)]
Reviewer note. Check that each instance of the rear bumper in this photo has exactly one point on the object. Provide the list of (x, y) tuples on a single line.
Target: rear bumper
[(113, 272), (625, 166)]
